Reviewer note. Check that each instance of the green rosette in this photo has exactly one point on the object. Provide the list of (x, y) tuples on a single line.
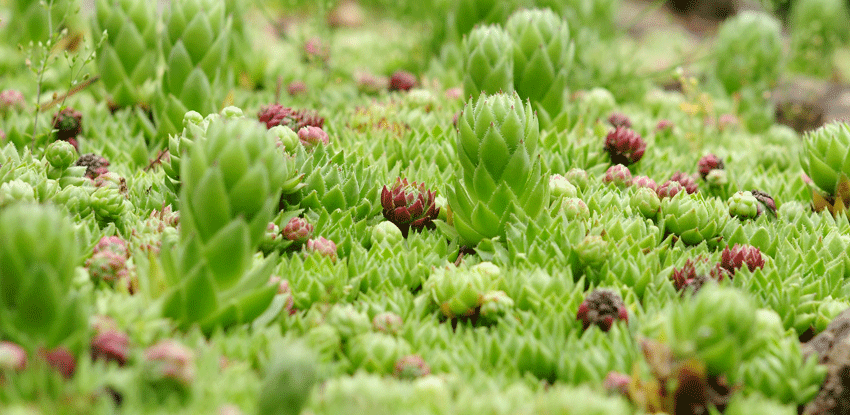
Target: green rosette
[(693, 218), (488, 67), (127, 61), (38, 305), (195, 45), (500, 174), (543, 55), (749, 52), (230, 188), (716, 326), (827, 155)]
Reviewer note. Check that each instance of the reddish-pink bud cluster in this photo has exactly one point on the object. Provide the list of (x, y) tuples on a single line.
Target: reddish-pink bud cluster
[(602, 307), (625, 146), (708, 163), (297, 230), (644, 181), (618, 119), (619, 175), (95, 165), (276, 114), (409, 206), (686, 180), (402, 81), (68, 124), (739, 255)]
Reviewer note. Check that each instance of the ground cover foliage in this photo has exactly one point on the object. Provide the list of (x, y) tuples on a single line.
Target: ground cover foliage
[(471, 207)]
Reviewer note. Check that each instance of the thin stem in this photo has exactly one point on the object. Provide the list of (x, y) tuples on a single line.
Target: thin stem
[(41, 71)]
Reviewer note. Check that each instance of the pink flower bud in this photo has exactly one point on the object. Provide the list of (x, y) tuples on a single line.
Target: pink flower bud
[(619, 175), (321, 246), (311, 136), (12, 357), (297, 230), (60, 359), (171, 360), (402, 81), (110, 345)]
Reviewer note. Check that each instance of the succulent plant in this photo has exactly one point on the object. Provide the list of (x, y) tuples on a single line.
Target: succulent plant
[(231, 186), (386, 233), (708, 163), (195, 45), (732, 259), (644, 181), (275, 114), (749, 52), (377, 352), (322, 247), (618, 119), (625, 146), (692, 218), (411, 367), (311, 136), (68, 124), (488, 66), (574, 208), (593, 250), (717, 326), (817, 28), (500, 174), (560, 187), (61, 360), (743, 205), (287, 383), (602, 308), (95, 165), (827, 162), (110, 345), (127, 60), (618, 175), (669, 189), (457, 292), (409, 206), (542, 57), (402, 81), (686, 180), (60, 154), (170, 361), (12, 357), (694, 274), (387, 322), (645, 201), (297, 230), (494, 305), (578, 177), (11, 100), (38, 305)]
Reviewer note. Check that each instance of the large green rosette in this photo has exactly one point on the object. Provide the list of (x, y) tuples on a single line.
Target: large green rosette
[(543, 55), (500, 173), (231, 184)]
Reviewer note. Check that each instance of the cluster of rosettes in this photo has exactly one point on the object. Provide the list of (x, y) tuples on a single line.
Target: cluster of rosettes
[(409, 206), (619, 175), (625, 146), (687, 181), (276, 114), (68, 124), (108, 263), (708, 163), (693, 275), (696, 273), (601, 308), (294, 235), (321, 246), (732, 259)]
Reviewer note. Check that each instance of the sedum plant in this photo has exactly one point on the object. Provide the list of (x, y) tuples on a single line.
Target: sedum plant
[(693, 218), (818, 27), (749, 52), (127, 62), (500, 174), (488, 67), (543, 55), (39, 308), (195, 47), (231, 184), (827, 162)]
